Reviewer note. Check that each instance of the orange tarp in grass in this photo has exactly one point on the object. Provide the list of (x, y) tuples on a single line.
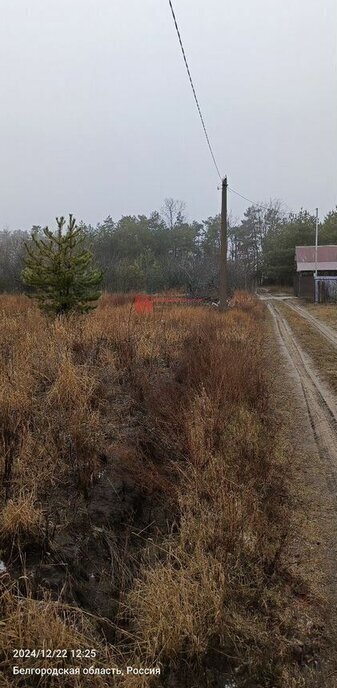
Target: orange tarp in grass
[(143, 304)]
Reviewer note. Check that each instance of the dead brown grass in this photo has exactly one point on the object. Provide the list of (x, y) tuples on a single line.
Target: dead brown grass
[(178, 401), (325, 312), (66, 386), (20, 518), (219, 601), (28, 621)]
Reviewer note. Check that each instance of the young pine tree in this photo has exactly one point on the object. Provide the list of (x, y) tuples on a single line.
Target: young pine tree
[(60, 270)]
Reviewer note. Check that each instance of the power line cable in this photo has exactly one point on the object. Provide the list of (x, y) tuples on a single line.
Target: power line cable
[(259, 205), (193, 89)]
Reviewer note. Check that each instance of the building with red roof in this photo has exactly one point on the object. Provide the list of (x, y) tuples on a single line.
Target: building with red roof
[(306, 265)]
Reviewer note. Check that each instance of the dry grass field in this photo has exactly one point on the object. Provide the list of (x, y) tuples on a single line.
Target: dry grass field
[(144, 500)]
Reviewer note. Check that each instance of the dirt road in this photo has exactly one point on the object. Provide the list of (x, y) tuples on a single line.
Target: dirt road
[(312, 414), (320, 402)]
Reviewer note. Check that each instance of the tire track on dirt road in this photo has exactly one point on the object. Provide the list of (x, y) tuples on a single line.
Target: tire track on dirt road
[(328, 333), (312, 418), (320, 402)]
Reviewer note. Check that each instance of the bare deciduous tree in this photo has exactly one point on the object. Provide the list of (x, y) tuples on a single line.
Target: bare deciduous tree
[(173, 212)]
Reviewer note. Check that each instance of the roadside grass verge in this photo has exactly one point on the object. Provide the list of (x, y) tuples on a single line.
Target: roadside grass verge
[(322, 353), (325, 312)]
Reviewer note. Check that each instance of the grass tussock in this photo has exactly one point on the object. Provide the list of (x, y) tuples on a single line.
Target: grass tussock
[(156, 426), (20, 518)]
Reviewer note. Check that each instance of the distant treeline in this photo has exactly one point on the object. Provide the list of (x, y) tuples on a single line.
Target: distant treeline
[(165, 251)]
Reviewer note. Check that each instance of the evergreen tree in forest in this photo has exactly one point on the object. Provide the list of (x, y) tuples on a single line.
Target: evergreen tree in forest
[(59, 270)]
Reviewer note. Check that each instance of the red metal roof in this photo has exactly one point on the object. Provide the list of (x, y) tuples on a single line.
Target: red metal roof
[(326, 258), (325, 254)]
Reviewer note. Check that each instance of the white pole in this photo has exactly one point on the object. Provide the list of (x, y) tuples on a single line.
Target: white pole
[(316, 242), (316, 257)]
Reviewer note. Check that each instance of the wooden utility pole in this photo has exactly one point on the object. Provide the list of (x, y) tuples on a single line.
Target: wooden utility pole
[(223, 247)]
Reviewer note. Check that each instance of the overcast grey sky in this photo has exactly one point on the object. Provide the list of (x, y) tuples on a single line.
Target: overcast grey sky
[(97, 115)]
